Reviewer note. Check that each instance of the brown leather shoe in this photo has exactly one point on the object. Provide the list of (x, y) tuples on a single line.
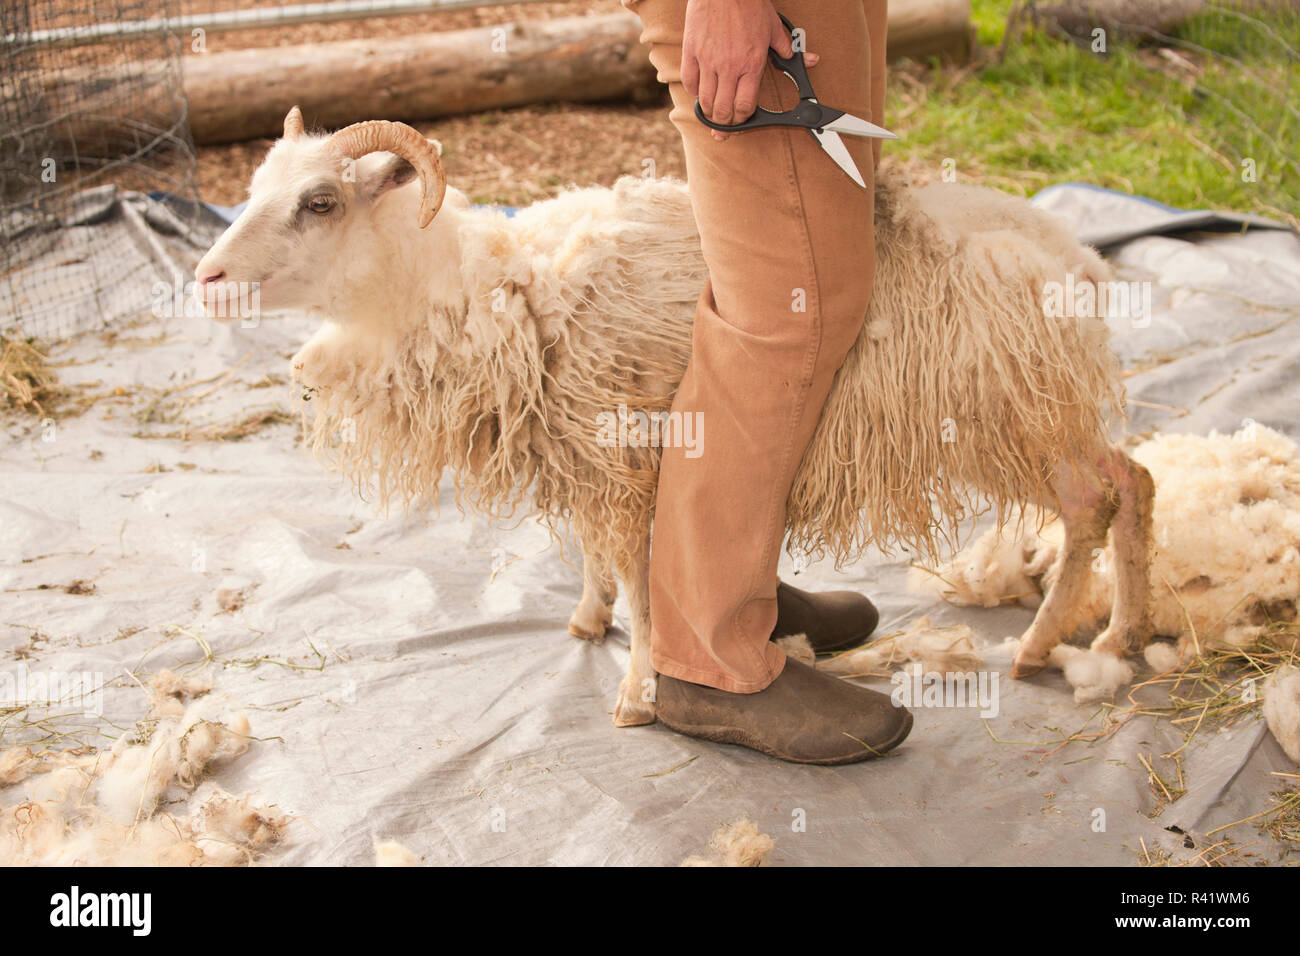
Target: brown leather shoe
[(833, 620), (803, 716)]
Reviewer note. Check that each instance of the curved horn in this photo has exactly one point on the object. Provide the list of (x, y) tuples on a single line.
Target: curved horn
[(377, 136), (293, 124)]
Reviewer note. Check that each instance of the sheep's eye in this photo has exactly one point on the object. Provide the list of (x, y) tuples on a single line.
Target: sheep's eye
[(320, 204)]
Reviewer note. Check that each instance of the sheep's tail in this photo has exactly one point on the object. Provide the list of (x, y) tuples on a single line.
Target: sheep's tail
[(971, 388)]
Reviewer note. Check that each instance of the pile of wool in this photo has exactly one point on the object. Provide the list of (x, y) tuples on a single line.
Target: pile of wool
[(1094, 675), (1282, 708), (392, 853), (169, 693), (737, 844), (799, 648), (97, 808), (942, 650), (1227, 535), (1163, 657)]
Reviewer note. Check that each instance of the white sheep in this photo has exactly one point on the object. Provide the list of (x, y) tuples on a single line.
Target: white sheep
[(494, 347)]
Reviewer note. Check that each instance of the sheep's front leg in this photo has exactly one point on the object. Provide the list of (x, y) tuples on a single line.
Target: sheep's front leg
[(1087, 504), (594, 612), (1132, 543), (321, 362), (636, 694)]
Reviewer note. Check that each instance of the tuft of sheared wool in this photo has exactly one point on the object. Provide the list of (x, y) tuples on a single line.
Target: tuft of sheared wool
[(737, 844), (168, 684), (223, 831), (1282, 708), (231, 600), (1226, 524), (392, 853), (798, 647), (943, 650), (1094, 675), (1162, 657), (17, 763), (169, 693), (1001, 566), (233, 832), (85, 808), (138, 777)]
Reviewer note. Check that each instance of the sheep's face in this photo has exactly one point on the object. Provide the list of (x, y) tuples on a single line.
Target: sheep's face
[(290, 247)]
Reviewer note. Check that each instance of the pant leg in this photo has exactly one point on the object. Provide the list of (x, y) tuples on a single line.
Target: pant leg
[(787, 237)]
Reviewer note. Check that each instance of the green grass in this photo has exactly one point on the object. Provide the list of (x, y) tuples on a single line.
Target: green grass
[(1129, 119)]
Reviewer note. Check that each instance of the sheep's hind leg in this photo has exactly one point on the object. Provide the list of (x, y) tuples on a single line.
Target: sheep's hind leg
[(1132, 545), (595, 610), (1087, 502), (636, 694)]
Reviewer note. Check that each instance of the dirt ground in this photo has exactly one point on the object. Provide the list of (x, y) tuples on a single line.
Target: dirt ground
[(513, 156)]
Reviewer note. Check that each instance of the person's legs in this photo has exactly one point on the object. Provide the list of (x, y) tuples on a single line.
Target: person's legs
[(787, 236)]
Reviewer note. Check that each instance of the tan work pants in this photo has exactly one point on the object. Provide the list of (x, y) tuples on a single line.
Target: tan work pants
[(787, 237)]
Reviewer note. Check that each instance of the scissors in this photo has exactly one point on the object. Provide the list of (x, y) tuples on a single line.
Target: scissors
[(824, 123)]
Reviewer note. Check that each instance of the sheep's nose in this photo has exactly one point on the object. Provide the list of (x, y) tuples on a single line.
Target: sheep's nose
[(211, 276)]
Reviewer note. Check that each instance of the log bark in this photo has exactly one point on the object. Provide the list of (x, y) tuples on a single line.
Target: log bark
[(245, 93), (929, 27)]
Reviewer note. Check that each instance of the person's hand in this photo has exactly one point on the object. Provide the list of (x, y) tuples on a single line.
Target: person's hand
[(724, 53)]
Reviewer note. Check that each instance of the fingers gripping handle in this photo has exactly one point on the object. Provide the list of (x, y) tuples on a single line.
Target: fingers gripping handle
[(807, 114)]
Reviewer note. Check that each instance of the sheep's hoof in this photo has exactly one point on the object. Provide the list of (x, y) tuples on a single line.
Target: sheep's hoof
[(589, 625), (1121, 642), (1026, 667), (634, 715), (629, 712), (587, 634), (596, 637)]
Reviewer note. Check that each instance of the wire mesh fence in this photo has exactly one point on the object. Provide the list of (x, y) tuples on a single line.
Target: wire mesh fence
[(80, 126)]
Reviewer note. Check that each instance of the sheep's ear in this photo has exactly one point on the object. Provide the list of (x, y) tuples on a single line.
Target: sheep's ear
[(437, 144), (389, 174)]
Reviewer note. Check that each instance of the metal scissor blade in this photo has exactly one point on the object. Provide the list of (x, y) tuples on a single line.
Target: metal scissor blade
[(835, 148), (850, 125)]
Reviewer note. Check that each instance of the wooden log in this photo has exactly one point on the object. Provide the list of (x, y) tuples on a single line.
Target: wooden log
[(929, 27), (245, 93)]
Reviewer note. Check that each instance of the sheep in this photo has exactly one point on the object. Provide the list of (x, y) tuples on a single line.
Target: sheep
[(463, 340)]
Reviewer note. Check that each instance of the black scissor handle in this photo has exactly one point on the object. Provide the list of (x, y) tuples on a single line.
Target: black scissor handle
[(793, 66), (807, 113)]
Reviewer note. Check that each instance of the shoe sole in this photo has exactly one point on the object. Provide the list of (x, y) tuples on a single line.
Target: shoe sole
[(728, 735)]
